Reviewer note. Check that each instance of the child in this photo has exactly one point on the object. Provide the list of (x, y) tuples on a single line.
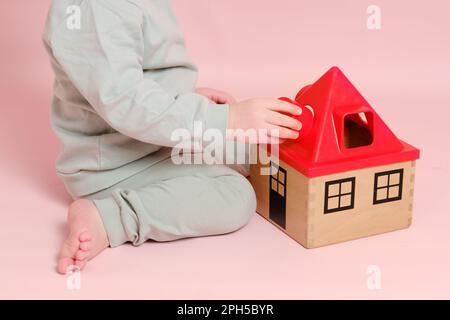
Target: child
[(123, 84)]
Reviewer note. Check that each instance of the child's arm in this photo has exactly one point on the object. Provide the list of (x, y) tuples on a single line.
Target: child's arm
[(103, 60), (268, 114)]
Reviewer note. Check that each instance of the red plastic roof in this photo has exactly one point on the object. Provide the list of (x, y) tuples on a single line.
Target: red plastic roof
[(335, 100)]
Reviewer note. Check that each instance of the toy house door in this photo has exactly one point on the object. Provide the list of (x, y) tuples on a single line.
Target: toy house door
[(277, 199)]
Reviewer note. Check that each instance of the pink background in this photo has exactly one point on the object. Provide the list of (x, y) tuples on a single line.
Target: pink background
[(250, 48)]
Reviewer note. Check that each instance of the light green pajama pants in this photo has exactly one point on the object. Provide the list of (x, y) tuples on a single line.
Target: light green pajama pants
[(167, 202)]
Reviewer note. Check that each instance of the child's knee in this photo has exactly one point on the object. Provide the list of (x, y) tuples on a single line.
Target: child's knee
[(243, 207)]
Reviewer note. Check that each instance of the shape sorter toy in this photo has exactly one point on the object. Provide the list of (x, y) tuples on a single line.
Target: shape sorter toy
[(347, 176)]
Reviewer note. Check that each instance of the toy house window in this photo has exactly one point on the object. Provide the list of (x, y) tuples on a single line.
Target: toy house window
[(339, 195), (388, 186), (278, 179), (357, 130)]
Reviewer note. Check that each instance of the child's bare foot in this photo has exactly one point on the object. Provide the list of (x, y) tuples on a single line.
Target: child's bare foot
[(87, 236)]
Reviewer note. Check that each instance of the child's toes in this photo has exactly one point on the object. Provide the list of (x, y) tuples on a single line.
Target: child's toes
[(80, 263), (85, 236), (63, 264), (85, 246), (81, 255)]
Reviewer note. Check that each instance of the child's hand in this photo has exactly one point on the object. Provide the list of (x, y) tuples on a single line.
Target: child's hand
[(256, 114), (216, 96)]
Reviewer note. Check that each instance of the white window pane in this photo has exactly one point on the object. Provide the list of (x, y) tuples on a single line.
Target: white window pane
[(394, 192), (333, 203), (382, 194), (281, 190), (333, 189), (274, 172), (394, 179), (382, 181), (346, 187), (274, 184), (281, 176), (346, 201)]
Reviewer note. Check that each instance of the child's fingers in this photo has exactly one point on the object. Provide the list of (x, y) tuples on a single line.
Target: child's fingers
[(224, 97), (216, 96), (282, 132), (283, 106), (283, 120)]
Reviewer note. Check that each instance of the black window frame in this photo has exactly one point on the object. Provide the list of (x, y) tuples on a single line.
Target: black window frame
[(376, 186), (277, 178), (340, 195)]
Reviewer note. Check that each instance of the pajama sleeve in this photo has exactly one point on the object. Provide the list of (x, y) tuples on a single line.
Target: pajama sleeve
[(103, 59)]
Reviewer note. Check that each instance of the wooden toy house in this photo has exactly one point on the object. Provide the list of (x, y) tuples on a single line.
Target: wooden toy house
[(350, 177)]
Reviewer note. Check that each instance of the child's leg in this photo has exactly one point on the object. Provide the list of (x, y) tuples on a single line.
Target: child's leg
[(168, 202)]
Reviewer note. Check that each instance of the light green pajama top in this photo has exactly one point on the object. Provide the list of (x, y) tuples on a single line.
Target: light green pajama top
[(123, 83)]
